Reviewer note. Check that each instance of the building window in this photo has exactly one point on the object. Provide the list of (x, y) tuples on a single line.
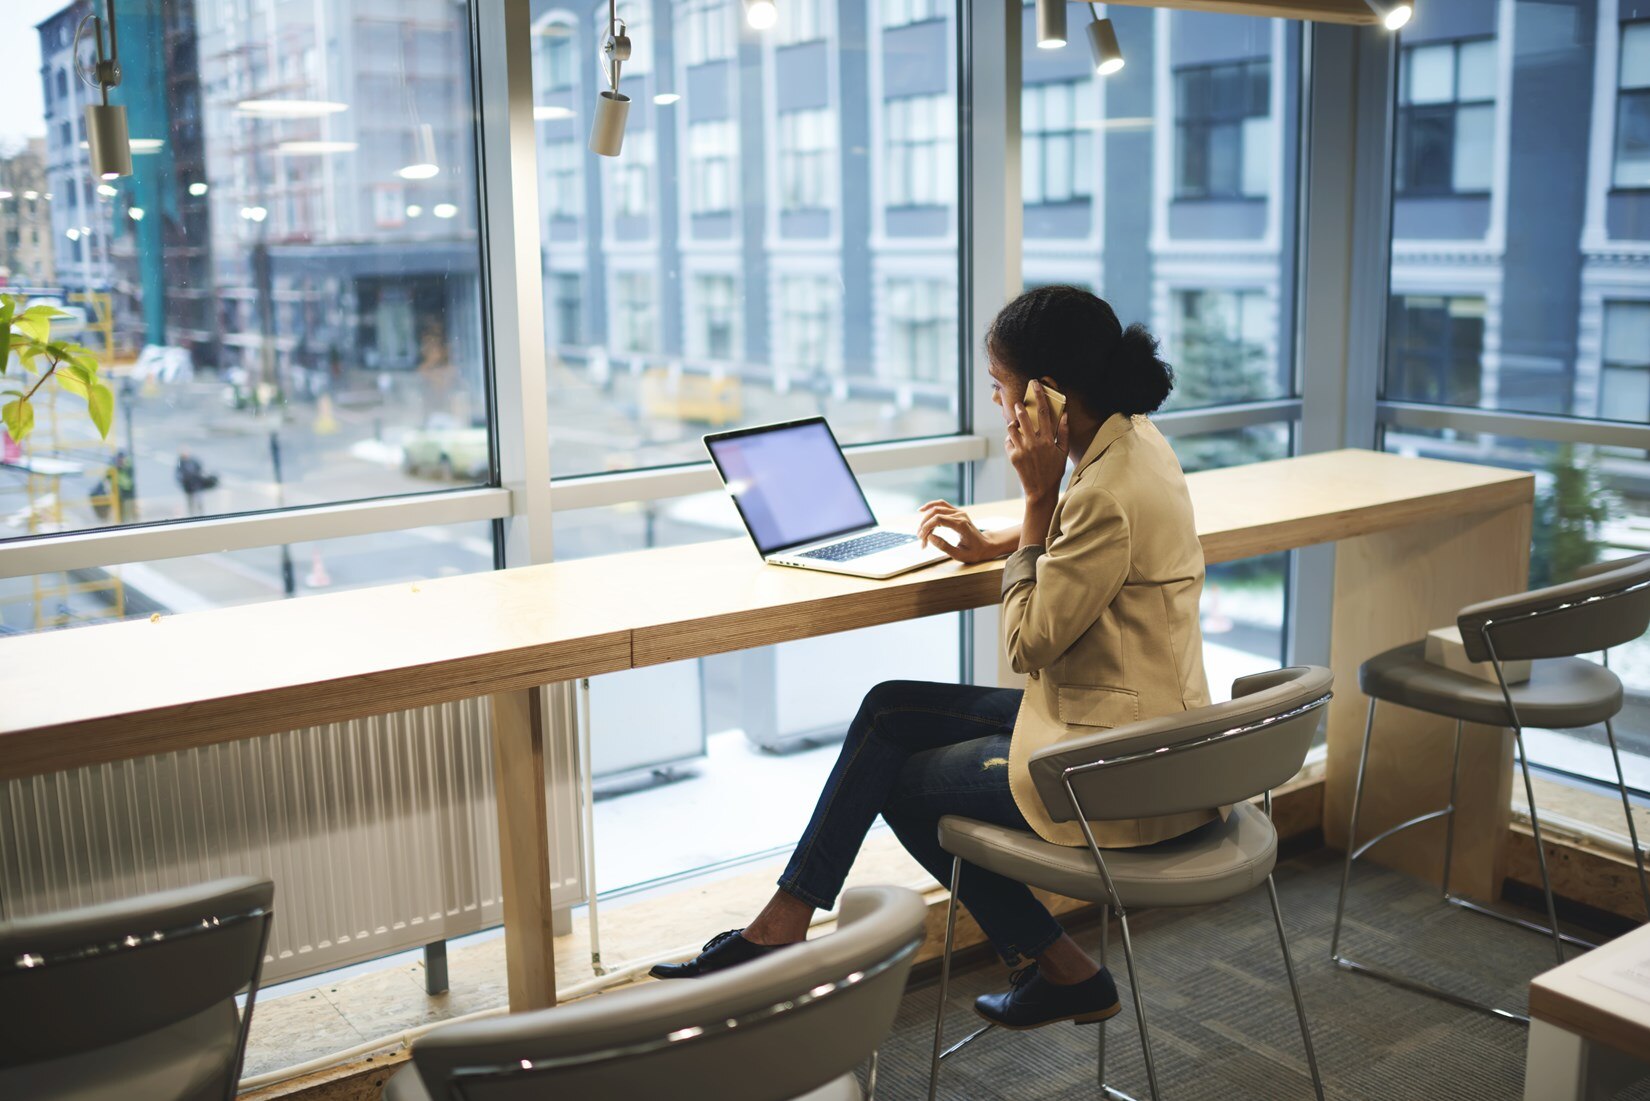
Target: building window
[(1633, 108), (1219, 340), (806, 319), (897, 13), (1446, 118), (565, 194), (712, 148), (705, 29), (806, 139), (921, 332), (801, 21), (1223, 131), (1624, 383), (1435, 349), (560, 65), (714, 317), (922, 158), (631, 176), (1054, 152), (633, 326), (566, 306)]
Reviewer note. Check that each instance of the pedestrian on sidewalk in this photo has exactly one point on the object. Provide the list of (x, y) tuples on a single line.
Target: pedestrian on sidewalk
[(193, 480)]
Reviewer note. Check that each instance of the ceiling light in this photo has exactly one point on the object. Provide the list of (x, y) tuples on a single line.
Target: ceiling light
[(445, 210), (4, 194), (197, 189), (612, 105), (1051, 24), (314, 148), (1394, 14), (72, 234), (107, 191), (414, 210), (665, 99), (254, 213), (761, 14), (1103, 47), (290, 108), (31, 195), (135, 213), (425, 165), (549, 112)]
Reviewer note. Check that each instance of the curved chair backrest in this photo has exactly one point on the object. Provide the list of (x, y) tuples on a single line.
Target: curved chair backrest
[(774, 1028), (1601, 609), (1191, 760), (133, 998)]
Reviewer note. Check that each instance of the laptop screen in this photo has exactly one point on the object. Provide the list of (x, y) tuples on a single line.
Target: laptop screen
[(791, 483)]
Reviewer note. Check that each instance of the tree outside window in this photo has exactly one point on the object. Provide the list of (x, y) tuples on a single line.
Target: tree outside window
[(1446, 118), (1435, 350), (1223, 130)]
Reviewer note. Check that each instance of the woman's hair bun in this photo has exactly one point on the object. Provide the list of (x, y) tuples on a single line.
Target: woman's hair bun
[(1142, 380)]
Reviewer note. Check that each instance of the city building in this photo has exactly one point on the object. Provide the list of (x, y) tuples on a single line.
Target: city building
[(27, 254)]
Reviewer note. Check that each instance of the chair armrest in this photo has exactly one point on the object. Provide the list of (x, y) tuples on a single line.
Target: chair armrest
[(1597, 580), (1606, 567)]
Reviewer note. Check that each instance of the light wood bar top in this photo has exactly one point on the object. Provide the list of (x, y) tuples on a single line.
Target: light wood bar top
[(1567, 997), (104, 693)]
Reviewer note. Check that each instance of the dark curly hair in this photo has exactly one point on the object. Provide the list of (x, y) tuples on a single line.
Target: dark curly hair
[(1073, 337)]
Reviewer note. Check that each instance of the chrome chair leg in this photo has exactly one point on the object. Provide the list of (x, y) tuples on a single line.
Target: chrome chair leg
[(1540, 850), (1139, 1002), (1295, 990), (1100, 1059), (871, 1077), (1627, 808), (945, 976), (1352, 834), (1449, 822)]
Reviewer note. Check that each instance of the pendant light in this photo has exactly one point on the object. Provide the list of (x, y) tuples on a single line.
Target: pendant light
[(106, 135), (612, 105), (1393, 15), (1103, 47), (1051, 24)]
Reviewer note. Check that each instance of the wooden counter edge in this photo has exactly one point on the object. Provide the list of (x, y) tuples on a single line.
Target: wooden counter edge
[(1586, 1019)]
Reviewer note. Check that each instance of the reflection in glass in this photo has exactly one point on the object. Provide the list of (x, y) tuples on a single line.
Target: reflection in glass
[(286, 292)]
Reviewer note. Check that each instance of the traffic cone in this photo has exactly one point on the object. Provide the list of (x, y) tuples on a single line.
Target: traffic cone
[(325, 422), (318, 577)]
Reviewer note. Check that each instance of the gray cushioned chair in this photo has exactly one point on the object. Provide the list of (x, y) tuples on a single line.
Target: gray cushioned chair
[(1225, 754), (1605, 606), (133, 999), (791, 1025)]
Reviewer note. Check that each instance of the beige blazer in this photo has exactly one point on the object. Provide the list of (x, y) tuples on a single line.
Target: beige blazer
[(1103, 620)]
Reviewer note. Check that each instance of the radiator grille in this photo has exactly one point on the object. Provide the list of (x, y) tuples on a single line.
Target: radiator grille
[(380, 834)]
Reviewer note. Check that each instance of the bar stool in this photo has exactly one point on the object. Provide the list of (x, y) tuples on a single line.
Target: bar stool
[(1608, 606), (1213, 756)]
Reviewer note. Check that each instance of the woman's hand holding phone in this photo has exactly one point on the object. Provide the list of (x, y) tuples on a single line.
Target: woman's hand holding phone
[(972, 544), (1036, 444)]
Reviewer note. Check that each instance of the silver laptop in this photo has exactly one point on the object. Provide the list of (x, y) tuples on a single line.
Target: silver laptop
[(803, 506)]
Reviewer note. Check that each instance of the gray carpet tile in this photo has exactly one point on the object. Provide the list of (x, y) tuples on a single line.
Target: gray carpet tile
[(1223, 1025)]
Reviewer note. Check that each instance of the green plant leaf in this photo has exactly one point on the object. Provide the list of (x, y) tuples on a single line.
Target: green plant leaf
[(36, 322), (5, 345), (79, 353), (73, 379), (101, 401), (18, 417)]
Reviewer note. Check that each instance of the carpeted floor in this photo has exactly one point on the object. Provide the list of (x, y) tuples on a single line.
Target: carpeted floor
[(1222, 1022)]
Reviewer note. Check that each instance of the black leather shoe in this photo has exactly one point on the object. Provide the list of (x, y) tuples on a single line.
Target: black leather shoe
[(721, 952), (1032, 1001)]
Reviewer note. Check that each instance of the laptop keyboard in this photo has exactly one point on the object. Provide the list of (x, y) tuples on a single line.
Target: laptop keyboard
[(849, 549)]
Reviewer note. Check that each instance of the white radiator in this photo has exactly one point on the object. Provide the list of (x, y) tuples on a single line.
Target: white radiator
[(380, 834)]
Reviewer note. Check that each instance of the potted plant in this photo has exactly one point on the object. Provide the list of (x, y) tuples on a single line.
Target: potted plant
[(26, 331)]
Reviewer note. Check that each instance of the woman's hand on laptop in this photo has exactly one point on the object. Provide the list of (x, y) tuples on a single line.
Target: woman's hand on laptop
[(969, 543)]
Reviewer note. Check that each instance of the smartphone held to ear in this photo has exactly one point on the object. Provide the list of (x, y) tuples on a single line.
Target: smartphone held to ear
[(1056, 404)]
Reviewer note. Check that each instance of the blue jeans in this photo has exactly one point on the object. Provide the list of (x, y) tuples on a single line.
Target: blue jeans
[(915, 753)]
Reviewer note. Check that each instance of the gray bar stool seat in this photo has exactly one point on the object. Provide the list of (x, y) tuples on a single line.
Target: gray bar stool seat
[(1210, 864), (1605, 606), (1562, 693), (1223, 755)]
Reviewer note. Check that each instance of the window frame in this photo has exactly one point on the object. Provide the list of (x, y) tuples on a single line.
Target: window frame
[(1449, 110), (1638, 94), (1208, 123)]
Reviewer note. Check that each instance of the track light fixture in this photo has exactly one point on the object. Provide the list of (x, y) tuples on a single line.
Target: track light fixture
[(612, 106), (1051, 24), (1394, 14), (1107, 54), (761, 14), (106, 134)]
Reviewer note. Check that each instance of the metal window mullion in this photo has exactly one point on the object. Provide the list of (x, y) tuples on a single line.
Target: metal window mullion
[(1225, 418), (1526, 426)]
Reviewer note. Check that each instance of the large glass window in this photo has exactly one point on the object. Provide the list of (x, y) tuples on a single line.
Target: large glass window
[(1221, 341), (712, 172), (1538, 303), (807, 320), (802, 21), (286, 292), (715, 314), (564, 184), (1055, 159), (707, 30), (807, 139), (921, 317), (1223, 141), (1633, 107), (1446, 117)]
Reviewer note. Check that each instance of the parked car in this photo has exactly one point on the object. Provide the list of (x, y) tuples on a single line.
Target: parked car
[(449, 453)]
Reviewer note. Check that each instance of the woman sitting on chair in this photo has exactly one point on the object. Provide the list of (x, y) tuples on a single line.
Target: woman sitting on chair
[(1100, 610)]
